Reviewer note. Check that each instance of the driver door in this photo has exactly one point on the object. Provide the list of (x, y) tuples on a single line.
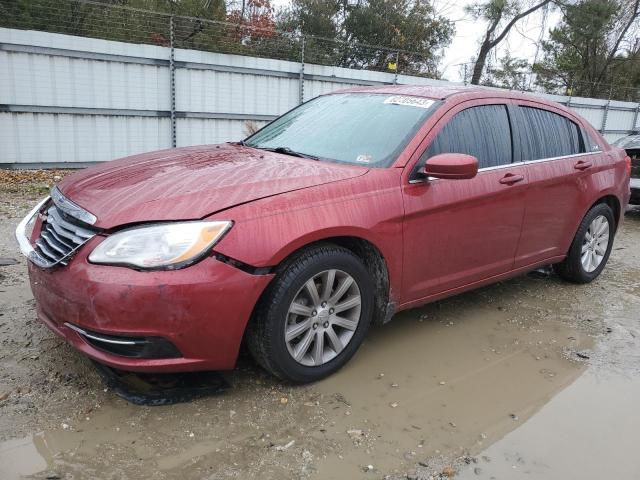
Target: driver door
[(460, 232)]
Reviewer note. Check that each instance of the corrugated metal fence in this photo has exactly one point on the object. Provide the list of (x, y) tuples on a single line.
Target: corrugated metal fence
[(72, 101)]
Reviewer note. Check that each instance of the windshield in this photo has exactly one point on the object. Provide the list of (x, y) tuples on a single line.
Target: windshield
[(356, 128)]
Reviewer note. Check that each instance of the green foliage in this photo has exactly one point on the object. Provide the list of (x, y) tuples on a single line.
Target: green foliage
[(492, 10), (585, 54), (313, 17), (198, 24), (409, 30), (105, 19), (370, 34), (511, 73)]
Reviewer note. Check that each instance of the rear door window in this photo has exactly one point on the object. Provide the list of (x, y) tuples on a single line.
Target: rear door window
[(544, 134), (482, 131)]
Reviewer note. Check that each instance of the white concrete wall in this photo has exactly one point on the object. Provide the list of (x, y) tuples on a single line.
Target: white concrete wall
[(44, 80)]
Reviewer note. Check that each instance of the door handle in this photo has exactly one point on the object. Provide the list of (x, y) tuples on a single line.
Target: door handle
[(582, 165), (510, 179)]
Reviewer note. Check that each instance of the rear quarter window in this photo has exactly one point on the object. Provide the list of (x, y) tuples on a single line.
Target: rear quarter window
[(590, 144), (544, 134)]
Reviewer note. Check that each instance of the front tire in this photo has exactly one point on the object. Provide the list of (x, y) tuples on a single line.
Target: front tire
[(591, 247), (314, 315)]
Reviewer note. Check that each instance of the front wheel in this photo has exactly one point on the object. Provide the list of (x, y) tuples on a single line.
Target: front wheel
[(314, 316), (591, 246)]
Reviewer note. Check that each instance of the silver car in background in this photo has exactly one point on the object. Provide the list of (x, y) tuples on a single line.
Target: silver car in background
[(631, 144)]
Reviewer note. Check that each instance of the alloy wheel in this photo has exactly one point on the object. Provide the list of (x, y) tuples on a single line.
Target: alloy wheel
[(595, 243), (323, 317)]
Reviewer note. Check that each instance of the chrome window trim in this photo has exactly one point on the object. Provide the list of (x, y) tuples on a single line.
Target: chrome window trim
[(541, 160), (498, 167), (550, 159), (514, 164)]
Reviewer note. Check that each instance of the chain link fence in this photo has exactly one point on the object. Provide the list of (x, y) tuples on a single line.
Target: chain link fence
[(115, 22), (109, 21), (536, 80), (73, 99)]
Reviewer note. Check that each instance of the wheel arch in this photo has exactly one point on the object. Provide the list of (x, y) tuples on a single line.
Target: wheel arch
[(373, 260), (614, 203)]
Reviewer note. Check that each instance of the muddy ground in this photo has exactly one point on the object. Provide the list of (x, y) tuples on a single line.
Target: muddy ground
[(529, 378)]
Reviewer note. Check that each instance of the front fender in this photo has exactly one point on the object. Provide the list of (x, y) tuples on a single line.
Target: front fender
[(370, 207)]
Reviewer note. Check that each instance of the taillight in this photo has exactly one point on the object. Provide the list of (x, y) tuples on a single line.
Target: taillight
[(627, 159)]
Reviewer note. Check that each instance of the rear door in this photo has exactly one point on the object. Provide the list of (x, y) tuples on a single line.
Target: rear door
[(559, 170), (457, 232)]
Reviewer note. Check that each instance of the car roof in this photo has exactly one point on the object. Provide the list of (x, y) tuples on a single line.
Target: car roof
[(444, 91), (631, 141)]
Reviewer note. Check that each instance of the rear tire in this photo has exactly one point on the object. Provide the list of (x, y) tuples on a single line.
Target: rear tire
[(591, 246), (301, 330)]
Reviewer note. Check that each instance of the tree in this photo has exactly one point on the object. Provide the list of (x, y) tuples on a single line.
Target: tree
[(370, 33), (512, 73), (497, 13), (319, 18), (592, 48), (146, 22), (255, 20), (410, 27), (321, 22)]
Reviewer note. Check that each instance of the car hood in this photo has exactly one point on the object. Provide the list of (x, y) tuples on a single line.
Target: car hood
[(192, 182)]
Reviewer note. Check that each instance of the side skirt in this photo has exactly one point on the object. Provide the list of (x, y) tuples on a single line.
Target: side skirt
[(479, 283)]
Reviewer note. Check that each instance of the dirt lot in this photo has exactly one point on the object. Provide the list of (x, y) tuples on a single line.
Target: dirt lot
[(529, 378)]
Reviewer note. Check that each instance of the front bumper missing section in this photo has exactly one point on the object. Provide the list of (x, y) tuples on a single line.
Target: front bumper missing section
[(161, 389)]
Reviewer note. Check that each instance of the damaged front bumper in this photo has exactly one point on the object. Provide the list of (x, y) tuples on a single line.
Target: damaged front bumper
[(159, 321), (23, 239)]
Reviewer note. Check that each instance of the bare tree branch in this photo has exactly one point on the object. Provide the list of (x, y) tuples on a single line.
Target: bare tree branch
[(489, 44)]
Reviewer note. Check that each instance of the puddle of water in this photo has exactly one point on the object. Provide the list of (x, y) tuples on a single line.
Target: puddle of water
[(453, 372), (498, 351), (20, 457), (589, 431), (450, 384), (46, 450)]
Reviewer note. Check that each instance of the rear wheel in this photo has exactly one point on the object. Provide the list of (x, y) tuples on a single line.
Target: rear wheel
[(591, 246), (314, 316)]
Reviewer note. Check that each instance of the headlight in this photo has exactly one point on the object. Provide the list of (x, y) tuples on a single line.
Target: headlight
[(160, 246)]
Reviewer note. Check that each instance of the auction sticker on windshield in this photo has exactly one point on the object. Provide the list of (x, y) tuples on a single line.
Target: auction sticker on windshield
[(409, 101)]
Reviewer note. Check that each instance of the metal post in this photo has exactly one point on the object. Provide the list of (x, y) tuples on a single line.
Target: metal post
[(606, 113), (172, 83), (395, 77), (301, 84), (570, 96), (635, 119), (465, 74)]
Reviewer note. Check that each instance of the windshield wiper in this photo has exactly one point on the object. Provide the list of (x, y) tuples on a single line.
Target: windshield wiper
[(288, 151)]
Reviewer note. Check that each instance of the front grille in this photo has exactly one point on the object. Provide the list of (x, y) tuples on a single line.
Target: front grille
[(60, 237)]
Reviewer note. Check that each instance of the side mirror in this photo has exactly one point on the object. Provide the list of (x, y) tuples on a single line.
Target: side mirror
[(453, 166)]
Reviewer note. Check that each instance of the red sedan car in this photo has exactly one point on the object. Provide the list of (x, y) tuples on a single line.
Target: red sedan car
[(338, 214)]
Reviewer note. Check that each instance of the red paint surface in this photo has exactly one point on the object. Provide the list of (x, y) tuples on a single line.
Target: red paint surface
[(202, 309), (191, 182), (437, 237)]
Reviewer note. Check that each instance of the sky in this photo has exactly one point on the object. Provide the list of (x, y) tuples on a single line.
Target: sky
[(521, 41)]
